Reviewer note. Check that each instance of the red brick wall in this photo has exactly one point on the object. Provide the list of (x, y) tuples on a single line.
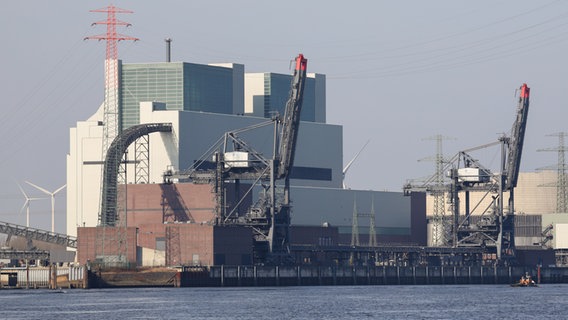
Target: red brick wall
[(158, 203), (90, 244), (180, 214), (147, 234), (183, 241)]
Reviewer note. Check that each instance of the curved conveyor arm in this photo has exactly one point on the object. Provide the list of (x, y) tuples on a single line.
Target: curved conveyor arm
[(108, 214)]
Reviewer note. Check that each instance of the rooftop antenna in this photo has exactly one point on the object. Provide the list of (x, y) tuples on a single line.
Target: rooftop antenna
[(52, 194), (27, 205), (351, 162), (168, 49)]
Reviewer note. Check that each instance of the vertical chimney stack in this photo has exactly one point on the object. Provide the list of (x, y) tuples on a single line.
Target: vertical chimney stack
[(168, 49)]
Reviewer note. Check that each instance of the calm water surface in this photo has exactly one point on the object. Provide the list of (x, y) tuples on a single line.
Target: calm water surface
[(345, 302)]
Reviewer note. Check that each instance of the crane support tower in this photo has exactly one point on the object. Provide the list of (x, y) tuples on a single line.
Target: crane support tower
[(234, 161), (491, 226)]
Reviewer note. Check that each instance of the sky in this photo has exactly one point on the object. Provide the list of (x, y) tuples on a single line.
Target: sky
[(398, 74)]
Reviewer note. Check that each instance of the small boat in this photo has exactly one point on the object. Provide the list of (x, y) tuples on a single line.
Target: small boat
[(519, 284), (525, 281)]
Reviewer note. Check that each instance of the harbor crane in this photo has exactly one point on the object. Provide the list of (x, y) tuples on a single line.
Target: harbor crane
[(233, 160), (492, 226)]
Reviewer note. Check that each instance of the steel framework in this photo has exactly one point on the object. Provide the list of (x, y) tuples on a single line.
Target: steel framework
[(355, 242), (495, 228), (113, 160), (234, 160), (24, 255), (38, 234), (561, 183)]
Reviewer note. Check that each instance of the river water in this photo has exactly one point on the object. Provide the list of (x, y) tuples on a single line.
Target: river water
[(326, 302)]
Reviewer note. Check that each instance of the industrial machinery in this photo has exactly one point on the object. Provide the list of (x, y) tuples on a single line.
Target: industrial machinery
[(232, 160), (487, 226)]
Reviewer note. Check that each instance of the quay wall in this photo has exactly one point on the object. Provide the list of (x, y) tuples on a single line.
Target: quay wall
[(234, 276), (250, 276), (52, 277)]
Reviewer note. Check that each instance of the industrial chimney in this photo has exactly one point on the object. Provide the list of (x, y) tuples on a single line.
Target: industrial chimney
[(168, 49)]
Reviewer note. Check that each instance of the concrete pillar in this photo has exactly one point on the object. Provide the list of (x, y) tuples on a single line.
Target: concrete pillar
[(222, 276), (255, 276)]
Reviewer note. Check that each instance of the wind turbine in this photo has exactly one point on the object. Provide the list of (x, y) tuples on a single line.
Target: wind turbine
[(52, 194), (27, 205), (351, 162)]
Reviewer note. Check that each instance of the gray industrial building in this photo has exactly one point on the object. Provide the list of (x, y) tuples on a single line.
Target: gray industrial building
[(202, 102)]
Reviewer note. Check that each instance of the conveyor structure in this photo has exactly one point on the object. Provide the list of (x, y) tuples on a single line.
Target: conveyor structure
[(38, 234)]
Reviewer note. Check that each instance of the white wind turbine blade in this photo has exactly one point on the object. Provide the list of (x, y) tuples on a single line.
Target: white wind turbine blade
[(52, 194), (39, 188), (26, 205), (60, 188), (22, 190), (351, 162)]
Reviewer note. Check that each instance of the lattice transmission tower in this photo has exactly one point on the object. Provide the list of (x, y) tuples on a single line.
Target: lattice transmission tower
[(111, 115), (111, 119), (372, 231), (561, 184), (355, 225), (441, 226)]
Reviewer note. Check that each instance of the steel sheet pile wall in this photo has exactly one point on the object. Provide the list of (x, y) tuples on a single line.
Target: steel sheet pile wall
[(302, 275)]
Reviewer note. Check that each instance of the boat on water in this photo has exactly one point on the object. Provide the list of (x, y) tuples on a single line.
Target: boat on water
[(525, 281), (519, 284)]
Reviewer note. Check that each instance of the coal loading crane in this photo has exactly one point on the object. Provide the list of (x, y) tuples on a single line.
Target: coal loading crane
[(232, 160), (490, 227), (280, 222)]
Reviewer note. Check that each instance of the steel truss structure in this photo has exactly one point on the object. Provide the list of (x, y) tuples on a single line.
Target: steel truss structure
[(114, 158), (24, 255), (38, 234), (494, 226), (234, 160)]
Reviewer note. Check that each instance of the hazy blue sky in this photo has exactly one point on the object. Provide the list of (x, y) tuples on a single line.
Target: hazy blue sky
[(398, 72)]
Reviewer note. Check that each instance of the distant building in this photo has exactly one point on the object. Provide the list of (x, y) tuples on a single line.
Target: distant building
[(181, 86), (266, 95)]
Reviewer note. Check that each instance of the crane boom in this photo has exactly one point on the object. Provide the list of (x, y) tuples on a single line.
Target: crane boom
[(517, 138), (291, 120)]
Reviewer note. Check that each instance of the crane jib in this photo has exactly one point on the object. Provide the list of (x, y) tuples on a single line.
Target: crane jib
[(525, 91), (291, 120), (517, 138), (301, 62)]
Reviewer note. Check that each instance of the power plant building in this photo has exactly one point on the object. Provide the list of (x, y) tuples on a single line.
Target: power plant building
[(202, 102)]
